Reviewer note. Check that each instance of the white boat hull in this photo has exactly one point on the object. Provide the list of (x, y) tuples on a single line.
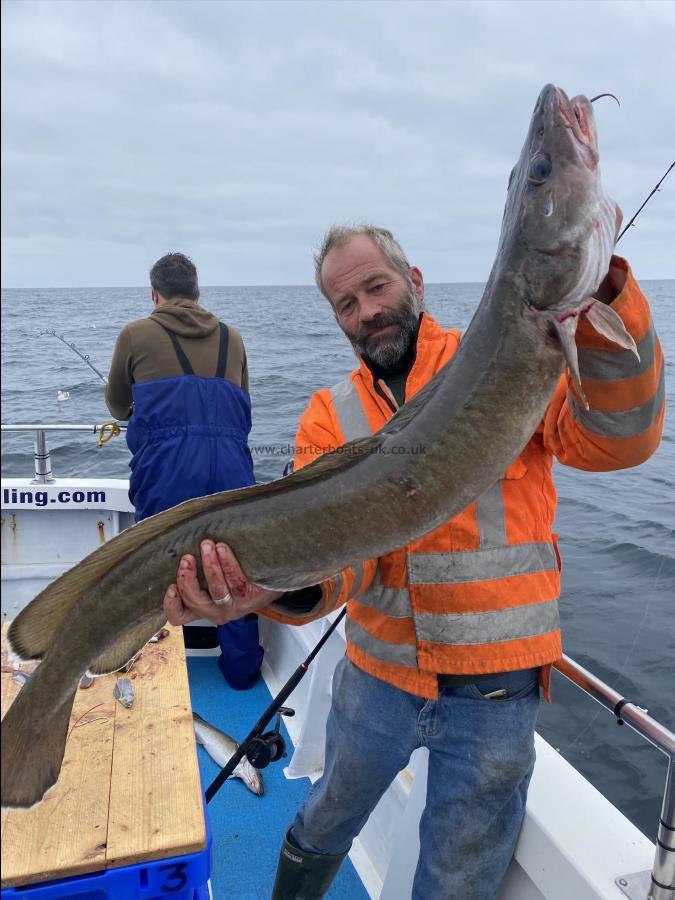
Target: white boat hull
[(573, 844)]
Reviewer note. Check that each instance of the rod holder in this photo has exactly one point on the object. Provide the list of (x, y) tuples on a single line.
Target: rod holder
[(43, 461)]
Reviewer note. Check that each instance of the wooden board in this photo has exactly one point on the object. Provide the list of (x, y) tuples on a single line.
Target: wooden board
[(155, 790), (129, 789)]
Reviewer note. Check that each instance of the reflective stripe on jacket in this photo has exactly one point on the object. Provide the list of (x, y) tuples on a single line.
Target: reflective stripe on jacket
[(480, 593)]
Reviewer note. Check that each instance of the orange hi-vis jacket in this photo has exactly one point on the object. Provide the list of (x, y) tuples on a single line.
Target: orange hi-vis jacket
[(480, 593)]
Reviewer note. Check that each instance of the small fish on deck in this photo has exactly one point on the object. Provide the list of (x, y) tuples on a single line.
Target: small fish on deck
[(221, 747), (161, 634), (124, 692), (20, 677)]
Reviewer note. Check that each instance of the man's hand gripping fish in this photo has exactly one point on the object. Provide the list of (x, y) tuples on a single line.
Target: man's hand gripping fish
[(372, 496)]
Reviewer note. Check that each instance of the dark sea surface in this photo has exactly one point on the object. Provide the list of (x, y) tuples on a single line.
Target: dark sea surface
[(617, 530)]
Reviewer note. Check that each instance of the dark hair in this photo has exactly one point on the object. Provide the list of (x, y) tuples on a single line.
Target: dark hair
[(175, 275)]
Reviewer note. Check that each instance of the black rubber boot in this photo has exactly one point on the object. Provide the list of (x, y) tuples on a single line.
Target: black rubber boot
[(302, 875)]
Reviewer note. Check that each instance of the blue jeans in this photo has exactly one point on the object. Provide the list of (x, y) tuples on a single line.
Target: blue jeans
[(481, 756)]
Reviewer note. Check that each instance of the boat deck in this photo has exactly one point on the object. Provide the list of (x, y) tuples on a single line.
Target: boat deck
[(247, 830), (573, 841), (120, 822)]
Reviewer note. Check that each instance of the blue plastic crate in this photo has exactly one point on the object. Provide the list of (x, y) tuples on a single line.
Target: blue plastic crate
[(176, 878)]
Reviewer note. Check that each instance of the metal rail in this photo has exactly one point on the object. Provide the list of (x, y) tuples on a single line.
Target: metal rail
[(661, 884), (91, 429), (626, 711), (42, 459)]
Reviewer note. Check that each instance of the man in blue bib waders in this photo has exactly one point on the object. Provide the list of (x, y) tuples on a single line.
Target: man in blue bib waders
[(180, 377)]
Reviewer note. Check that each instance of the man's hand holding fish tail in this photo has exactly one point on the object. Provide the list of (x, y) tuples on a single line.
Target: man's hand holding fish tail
[(229, 596)]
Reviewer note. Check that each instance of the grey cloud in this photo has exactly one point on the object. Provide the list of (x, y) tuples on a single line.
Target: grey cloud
[(239, 131)]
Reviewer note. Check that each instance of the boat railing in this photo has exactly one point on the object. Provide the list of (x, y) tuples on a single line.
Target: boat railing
[(657, 885), (43, 463)]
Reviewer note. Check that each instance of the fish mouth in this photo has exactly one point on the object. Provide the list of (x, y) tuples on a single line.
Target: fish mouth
[(577, 116)]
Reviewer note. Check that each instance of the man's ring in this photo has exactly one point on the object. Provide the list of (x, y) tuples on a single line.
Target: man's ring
[(223, 601)]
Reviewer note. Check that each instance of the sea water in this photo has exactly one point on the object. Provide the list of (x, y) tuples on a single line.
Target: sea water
[(616, 529)]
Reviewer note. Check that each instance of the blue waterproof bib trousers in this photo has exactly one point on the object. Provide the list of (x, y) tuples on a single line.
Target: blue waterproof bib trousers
[(188, 437)]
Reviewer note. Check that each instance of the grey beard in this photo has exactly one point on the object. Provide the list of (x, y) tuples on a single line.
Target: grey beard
[(387, 353)]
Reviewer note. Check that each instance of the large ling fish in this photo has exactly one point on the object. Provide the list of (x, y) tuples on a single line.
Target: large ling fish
[(372, 496)]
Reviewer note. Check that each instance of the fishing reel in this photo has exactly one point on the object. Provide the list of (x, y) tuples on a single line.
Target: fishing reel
[(271, 746)]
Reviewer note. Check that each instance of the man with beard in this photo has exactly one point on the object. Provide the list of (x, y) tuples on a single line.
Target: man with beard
[(450, 637), (382, 325)]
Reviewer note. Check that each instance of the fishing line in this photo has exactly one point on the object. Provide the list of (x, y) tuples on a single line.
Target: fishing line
[(83, 356), (642, 622), (86, 713), (619, 676)]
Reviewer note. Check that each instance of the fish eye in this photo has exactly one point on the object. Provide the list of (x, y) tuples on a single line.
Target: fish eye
[(540, 168)]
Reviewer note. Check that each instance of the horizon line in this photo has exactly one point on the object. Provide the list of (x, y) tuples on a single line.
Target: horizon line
[(90, 287), (93, 287)]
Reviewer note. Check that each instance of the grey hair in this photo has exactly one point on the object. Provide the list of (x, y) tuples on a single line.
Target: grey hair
[(339, 235)]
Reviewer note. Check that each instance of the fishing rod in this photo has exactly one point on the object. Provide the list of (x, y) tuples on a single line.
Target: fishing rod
[(260, 747), (83, 356), (649, 196), (263, 748)]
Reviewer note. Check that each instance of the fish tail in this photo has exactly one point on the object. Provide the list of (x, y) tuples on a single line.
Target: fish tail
[(33, 744)]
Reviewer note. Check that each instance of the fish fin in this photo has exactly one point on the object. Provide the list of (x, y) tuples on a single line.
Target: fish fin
[(33, 744), (32, 632), (127, 645), (609, 324), (566, 330)]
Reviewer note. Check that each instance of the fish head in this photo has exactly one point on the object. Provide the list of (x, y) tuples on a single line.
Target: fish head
[(251, 777), (559, 229)]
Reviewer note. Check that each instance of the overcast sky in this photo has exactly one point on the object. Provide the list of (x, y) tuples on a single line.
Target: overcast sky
[(237, 132)]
